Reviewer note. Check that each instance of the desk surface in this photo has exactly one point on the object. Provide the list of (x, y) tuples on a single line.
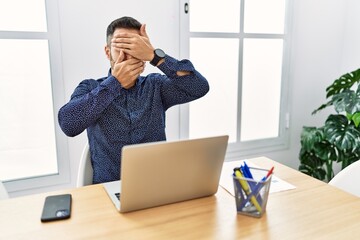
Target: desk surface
[(314, 210)]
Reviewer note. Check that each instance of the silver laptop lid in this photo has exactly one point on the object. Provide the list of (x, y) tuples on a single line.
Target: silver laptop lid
[(159, 173)]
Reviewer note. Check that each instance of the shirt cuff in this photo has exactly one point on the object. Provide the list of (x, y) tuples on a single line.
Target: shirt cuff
[(171, 65)]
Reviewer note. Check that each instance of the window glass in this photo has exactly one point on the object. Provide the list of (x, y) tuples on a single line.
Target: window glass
[(264, 16), (261, 88), (214, 16), (27, 118), (216, 112), (23, 15)]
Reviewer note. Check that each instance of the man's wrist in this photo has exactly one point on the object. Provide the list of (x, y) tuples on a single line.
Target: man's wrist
[(158, 57), (151, 57)]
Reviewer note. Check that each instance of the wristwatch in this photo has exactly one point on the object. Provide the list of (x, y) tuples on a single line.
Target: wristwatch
[(158, 55)]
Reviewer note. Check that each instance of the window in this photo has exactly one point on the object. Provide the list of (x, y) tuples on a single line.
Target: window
[(30, 73), (241, 47)]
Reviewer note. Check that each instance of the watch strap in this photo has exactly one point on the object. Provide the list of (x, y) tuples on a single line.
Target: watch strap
[(158, 55)]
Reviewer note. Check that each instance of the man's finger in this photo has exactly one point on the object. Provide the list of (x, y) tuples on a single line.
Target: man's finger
[(122, 36), (143, 31), (121, 57)]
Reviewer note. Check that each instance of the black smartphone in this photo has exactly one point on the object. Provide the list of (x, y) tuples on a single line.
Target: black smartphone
[(56, 207)]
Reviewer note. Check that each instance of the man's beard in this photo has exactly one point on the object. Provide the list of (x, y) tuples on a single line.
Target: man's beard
[(112, 62)]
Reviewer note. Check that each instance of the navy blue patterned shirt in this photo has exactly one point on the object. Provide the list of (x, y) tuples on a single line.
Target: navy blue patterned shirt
[(114, 116)]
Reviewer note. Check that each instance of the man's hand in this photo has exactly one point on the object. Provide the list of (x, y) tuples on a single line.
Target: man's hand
[(126, 71), (136, 45)]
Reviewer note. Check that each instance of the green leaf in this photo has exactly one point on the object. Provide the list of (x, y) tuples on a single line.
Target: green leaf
[(339, 132), (347, 157), (349, 116), (310, 136), (356, 119), (347, 101), (346, 81), (325, 151), (311, 165), (322, 107)]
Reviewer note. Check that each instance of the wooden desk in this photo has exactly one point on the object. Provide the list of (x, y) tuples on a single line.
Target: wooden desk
[(314, 210)]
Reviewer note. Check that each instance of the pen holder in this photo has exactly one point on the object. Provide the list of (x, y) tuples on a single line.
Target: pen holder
[(251, 195)]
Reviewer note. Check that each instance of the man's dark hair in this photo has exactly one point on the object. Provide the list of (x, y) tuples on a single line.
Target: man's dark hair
[(123, 22)]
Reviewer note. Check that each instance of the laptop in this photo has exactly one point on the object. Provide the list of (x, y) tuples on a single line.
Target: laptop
[(159, 173)]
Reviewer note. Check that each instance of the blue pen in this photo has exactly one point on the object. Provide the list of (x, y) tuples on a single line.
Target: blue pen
[(247, 169), (246, 172)]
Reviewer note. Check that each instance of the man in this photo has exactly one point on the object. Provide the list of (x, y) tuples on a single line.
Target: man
[(125, 108)]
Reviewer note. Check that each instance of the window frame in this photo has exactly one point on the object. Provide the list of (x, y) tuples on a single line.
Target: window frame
[(58, 94), (240, 149)]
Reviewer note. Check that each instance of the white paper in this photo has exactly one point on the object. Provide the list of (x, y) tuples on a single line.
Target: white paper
[(226, 181)]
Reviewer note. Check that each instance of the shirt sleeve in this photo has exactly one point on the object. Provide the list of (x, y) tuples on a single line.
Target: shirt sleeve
[(86, 105), (181, 89)]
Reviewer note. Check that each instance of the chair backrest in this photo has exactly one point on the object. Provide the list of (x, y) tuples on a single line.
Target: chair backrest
[(348, 179), (85, 172), (3, 192)]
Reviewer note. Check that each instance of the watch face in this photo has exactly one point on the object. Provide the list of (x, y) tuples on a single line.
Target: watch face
[(160, 53)]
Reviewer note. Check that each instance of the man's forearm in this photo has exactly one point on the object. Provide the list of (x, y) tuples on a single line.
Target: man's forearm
[(83, 110)]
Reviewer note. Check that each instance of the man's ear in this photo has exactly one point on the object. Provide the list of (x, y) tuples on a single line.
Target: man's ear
[(107, 52)]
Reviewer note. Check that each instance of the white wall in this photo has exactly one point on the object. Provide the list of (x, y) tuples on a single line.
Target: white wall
[(325, 45), (351, 38)]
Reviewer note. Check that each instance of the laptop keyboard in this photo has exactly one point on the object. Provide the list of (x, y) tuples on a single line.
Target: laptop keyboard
[(117, 195)]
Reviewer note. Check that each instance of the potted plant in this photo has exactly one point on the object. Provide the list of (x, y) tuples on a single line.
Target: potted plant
[(339, 139)]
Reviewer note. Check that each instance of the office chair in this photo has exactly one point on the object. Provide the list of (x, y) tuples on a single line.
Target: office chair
[(348, 179), (85, 172), (3, 192)]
